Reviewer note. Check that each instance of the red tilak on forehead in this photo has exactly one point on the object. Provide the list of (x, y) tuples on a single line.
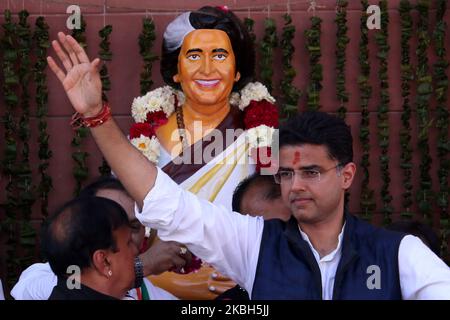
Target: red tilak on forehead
[(296, 157)]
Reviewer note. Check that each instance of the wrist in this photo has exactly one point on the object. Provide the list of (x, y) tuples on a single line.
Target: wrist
[(90, 122), (138, 272), (94, 111), (147, 267)]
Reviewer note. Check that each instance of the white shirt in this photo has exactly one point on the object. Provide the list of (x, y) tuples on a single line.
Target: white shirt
[(2, 295), (327, 264), (231, 242), (38, 280)]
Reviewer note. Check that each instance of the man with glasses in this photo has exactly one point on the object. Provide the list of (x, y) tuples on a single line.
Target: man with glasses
[(322, 252)]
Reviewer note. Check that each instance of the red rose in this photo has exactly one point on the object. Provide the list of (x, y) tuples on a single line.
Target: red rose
[(261, 113), (156, 119), (141, 128)]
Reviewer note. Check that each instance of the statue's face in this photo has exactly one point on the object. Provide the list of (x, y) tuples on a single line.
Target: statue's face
[(206, 67)]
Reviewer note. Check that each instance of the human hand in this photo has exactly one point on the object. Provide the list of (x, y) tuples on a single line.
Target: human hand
[(81, 81), (164, 256)]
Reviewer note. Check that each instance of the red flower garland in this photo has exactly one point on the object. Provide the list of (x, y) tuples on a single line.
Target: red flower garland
[(139, 129), (261, 113), (157, 119)]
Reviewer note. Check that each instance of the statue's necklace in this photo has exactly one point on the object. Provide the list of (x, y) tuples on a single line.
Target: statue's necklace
[(180, 124)]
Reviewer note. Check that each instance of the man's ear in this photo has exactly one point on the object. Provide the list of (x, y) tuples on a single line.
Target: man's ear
[(348, 173), (237, 77), (101, 262), (176, 78)]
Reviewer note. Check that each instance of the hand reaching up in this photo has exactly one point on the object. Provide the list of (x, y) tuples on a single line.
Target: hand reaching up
[(81, 79)]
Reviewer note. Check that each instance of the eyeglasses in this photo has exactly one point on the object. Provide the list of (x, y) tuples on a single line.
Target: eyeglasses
[(308, 175)]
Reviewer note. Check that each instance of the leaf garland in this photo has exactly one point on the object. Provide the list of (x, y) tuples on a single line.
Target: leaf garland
[(25, 185), (315, 75), (41, 38), (249, 24), (290, 94), (105, 55), (424, 92), (407, 75), (146, 41), (367, 194), (381, 38), (9, 165), (80, 170), (342, 41), (268, 45), (442, 115), (24, 171)]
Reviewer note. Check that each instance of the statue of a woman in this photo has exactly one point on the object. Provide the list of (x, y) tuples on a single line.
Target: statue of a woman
[(201, 135), (193, 127)]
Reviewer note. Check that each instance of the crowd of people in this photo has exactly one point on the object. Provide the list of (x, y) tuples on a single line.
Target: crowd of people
[(226, 228)]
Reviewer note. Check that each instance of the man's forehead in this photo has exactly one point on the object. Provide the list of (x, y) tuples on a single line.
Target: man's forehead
[(305, 154)]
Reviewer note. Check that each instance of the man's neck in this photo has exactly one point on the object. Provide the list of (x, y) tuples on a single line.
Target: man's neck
[(324, 235), (98, 284)]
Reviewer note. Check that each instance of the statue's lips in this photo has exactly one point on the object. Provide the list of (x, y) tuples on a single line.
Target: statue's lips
[(207, 83)]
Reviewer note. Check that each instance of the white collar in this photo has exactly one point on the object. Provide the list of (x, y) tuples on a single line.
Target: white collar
[(329, 256)]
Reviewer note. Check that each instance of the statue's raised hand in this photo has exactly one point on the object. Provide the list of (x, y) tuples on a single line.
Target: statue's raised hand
[(81, 81)]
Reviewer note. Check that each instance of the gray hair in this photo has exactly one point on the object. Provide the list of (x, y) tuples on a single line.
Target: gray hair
[(176, 31)]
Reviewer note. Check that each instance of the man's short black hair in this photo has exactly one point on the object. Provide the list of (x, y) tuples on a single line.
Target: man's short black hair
[(102, 183), (319, 128), (214, 18), (78, 229), (271, 190)]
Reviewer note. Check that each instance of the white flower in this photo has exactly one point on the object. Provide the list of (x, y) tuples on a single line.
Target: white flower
[(149, 147), (235, 98), (254, 91), (139, 110), (161, 99), (260, 136)]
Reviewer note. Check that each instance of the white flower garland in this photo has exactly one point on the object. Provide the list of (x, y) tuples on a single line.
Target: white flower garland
[(150, 147), (260, 136), (254, 91), (162, 99)]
